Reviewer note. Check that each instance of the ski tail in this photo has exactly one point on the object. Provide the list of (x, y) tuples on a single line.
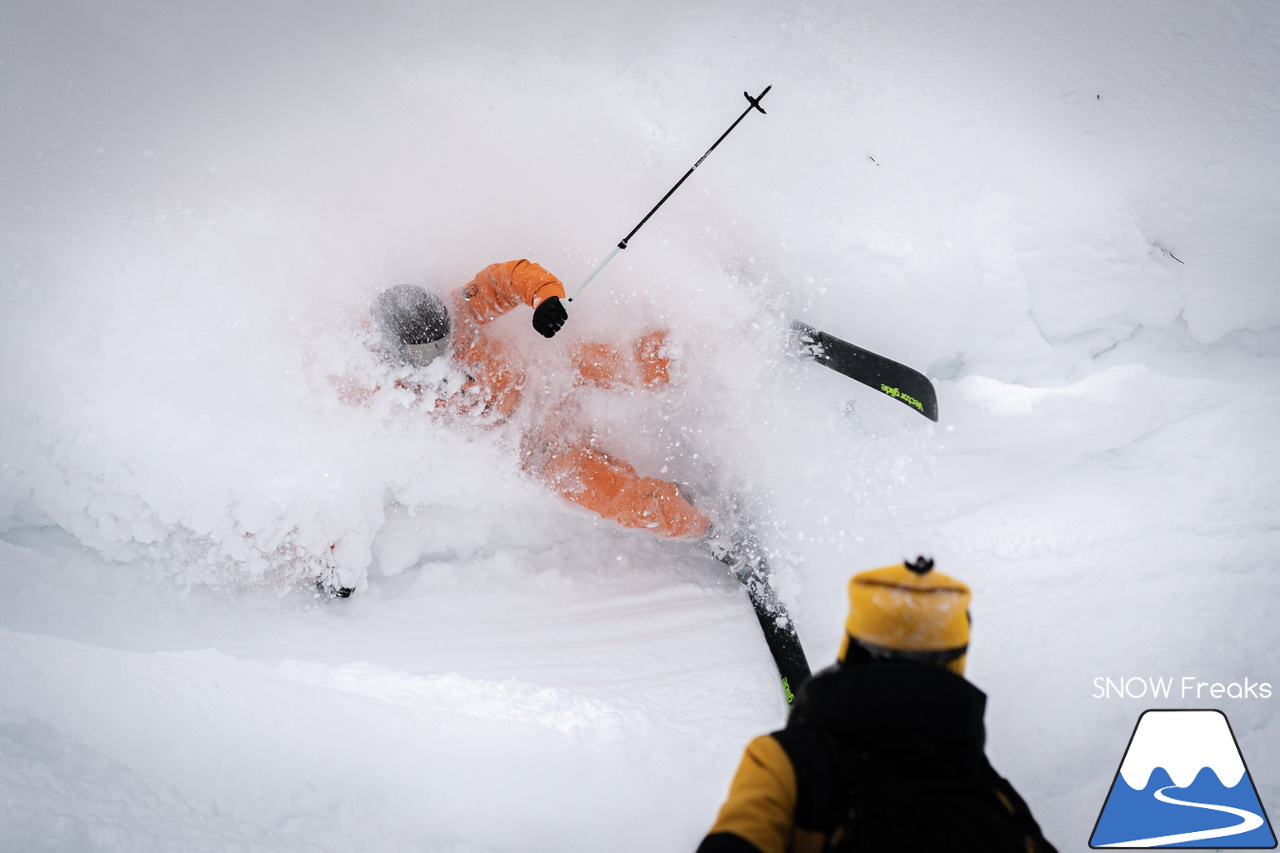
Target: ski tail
[(780, 635), (752, 571), (904, 384)]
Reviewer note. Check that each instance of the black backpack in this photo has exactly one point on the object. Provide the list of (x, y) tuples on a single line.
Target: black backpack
[(905, 794)]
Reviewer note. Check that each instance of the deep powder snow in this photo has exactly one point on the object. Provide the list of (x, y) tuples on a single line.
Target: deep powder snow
[(1064, 213)]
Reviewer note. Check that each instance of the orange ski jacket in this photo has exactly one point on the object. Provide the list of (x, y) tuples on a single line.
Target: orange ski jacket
[(569, 464), (494, 382)]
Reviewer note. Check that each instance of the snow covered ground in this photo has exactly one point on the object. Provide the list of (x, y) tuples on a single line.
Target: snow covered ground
[(1064, 212)]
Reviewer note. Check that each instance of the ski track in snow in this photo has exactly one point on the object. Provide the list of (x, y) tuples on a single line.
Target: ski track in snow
[(1064, 214)]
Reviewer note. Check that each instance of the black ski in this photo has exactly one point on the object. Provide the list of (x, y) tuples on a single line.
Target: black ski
[(887, 376), (779, 630)]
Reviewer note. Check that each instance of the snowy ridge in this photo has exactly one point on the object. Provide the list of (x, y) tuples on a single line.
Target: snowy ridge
[(1003, 398), (511, 700)]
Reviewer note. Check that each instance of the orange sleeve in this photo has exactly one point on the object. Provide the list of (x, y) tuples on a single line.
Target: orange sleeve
[(498, 288), (762, 798), (606, 364)]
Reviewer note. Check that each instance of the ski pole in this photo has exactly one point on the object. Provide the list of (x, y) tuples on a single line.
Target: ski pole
[(753, 104)]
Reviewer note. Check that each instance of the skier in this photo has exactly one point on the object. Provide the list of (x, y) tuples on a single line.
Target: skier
[(884, 750), (420, 327)]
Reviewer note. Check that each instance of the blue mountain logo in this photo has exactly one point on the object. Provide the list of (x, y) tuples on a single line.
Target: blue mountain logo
[(1183, 783)]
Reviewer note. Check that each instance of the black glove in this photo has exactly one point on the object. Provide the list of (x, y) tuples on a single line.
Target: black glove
[(549, 316)]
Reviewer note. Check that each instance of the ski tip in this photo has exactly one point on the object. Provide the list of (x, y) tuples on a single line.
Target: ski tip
[(925, 400), (893, 379), (929, 402)]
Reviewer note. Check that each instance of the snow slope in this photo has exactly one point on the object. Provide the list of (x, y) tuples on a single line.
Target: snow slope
[(1064, 213)]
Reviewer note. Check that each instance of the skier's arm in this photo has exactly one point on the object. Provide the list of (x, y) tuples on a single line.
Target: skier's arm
[(606, 365), (759, 814), (498, 288)]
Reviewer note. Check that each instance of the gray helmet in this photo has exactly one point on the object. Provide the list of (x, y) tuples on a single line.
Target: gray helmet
[(413, 322)]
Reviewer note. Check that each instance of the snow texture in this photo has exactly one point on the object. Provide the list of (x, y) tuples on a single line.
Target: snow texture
[(1065, 213)]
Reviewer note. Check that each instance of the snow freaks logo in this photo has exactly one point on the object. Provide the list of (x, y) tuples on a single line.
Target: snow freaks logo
[(1183, 782)]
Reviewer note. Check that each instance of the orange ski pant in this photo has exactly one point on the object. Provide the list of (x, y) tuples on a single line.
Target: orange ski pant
[(611, 488), (582, 473)]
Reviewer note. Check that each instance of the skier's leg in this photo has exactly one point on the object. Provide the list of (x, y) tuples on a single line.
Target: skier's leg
[(610, 487)]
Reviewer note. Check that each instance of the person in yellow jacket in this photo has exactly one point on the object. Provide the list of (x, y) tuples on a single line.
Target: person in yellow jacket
[(419, 326), (884, 750)]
